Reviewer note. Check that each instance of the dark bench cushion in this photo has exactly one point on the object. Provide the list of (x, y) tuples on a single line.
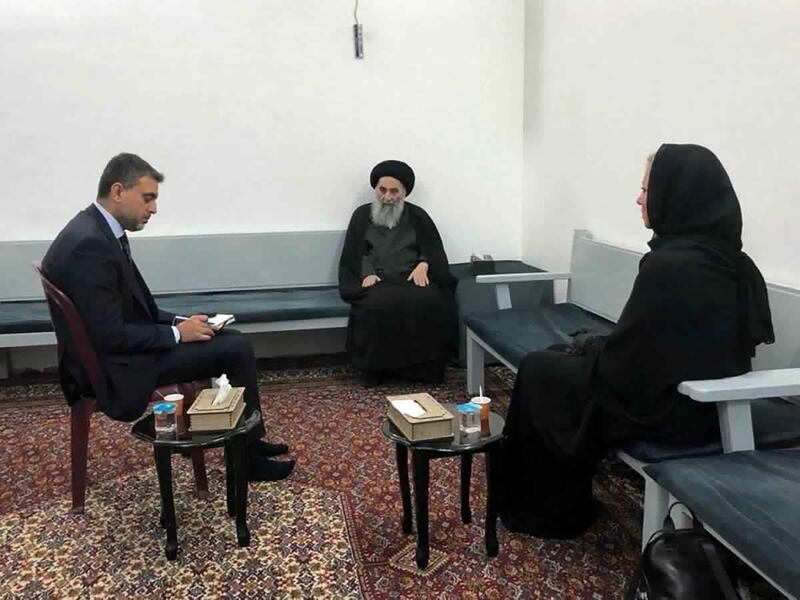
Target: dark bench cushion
[(776, 424), (290, 304), (516, 332), (24, 317), (475, 298), (752, 499), (248, 306), (263, 305)]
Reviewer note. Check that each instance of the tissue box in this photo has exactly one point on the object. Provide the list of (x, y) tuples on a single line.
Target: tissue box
[(435, 422), (203, 416)]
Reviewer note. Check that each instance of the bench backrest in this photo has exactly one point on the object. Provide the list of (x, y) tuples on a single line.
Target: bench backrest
[(199, 263), (603, 275)]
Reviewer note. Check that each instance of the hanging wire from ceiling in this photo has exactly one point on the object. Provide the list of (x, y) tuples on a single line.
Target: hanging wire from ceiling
[(358, 33)]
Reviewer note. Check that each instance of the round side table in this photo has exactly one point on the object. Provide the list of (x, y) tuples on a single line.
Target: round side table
[(232, 440), (487, 442)]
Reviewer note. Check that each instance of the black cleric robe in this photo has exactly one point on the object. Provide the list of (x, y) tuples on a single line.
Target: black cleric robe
[(697, 310), (396, 326)]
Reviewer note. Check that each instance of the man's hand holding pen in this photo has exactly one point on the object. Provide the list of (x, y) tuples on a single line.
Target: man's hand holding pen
[(194, 329)]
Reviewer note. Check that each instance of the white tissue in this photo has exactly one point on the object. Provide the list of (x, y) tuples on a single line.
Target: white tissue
[(223, 387), (410, 408)]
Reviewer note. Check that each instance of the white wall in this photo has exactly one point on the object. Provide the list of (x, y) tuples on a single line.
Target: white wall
[(607, 81), (259, 115)]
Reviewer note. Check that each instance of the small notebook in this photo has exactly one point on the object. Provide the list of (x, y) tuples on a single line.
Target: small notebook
[(220, 320)]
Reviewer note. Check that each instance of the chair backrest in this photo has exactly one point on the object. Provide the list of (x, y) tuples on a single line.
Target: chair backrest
[(77, 329)]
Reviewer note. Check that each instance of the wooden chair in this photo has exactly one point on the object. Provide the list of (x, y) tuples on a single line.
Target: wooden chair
[(81, 411)]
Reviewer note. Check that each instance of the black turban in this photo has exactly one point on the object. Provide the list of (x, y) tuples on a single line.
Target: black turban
[(393, 168)]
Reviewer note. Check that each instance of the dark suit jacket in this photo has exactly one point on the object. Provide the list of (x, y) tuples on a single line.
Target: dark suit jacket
[(128, 332)]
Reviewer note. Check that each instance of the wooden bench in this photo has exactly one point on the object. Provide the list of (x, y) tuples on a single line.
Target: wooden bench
[(748, 501), (751, 410)]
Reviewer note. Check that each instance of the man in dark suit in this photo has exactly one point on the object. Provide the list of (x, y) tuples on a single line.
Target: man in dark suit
[(139, 346)]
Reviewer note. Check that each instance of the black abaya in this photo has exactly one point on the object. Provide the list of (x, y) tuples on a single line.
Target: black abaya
[(396, 326), (697, 310)]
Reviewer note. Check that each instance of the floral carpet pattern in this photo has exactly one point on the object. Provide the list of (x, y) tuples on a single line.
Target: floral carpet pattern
[(332, 530)]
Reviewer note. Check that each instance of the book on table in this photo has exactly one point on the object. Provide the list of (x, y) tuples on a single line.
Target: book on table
[(419, 417), (206, 414)]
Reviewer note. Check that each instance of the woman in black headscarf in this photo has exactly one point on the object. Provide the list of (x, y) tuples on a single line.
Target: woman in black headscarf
[(697, 310)]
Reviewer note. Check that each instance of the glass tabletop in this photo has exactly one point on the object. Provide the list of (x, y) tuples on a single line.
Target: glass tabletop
[(144, 429), (459, 443)]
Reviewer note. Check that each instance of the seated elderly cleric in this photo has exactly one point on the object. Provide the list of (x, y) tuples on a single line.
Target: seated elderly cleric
[(394, 273)]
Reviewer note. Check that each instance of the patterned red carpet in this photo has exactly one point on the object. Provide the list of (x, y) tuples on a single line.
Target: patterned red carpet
[(331, 531)]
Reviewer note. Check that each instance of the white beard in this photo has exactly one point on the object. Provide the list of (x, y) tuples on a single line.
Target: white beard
[(387, 215)]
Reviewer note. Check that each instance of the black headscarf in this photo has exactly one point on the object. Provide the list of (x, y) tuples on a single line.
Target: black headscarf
[(698, 306), (689, 192), (393, 168), (690, 196)]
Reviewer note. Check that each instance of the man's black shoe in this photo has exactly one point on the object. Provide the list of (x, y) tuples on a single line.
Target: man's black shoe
[(265, 449), (265, 469)]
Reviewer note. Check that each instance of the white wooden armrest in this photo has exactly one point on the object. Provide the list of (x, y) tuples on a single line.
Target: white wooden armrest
[(756, 384), (521, 277), (501, 281), (733, 396)]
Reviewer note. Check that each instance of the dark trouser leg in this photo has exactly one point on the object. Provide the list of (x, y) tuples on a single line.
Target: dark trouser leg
[(401, 453), (421, 479), (227, 352), (168, 521)]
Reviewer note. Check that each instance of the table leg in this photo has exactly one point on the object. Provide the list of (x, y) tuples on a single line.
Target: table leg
[(200, 478), (492, 471), (168, 521), (240, 470), (466, 474), (421, 478), (230, 481), (401, 453)]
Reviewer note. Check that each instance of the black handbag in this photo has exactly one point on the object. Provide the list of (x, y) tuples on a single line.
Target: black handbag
[(683, 564)]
